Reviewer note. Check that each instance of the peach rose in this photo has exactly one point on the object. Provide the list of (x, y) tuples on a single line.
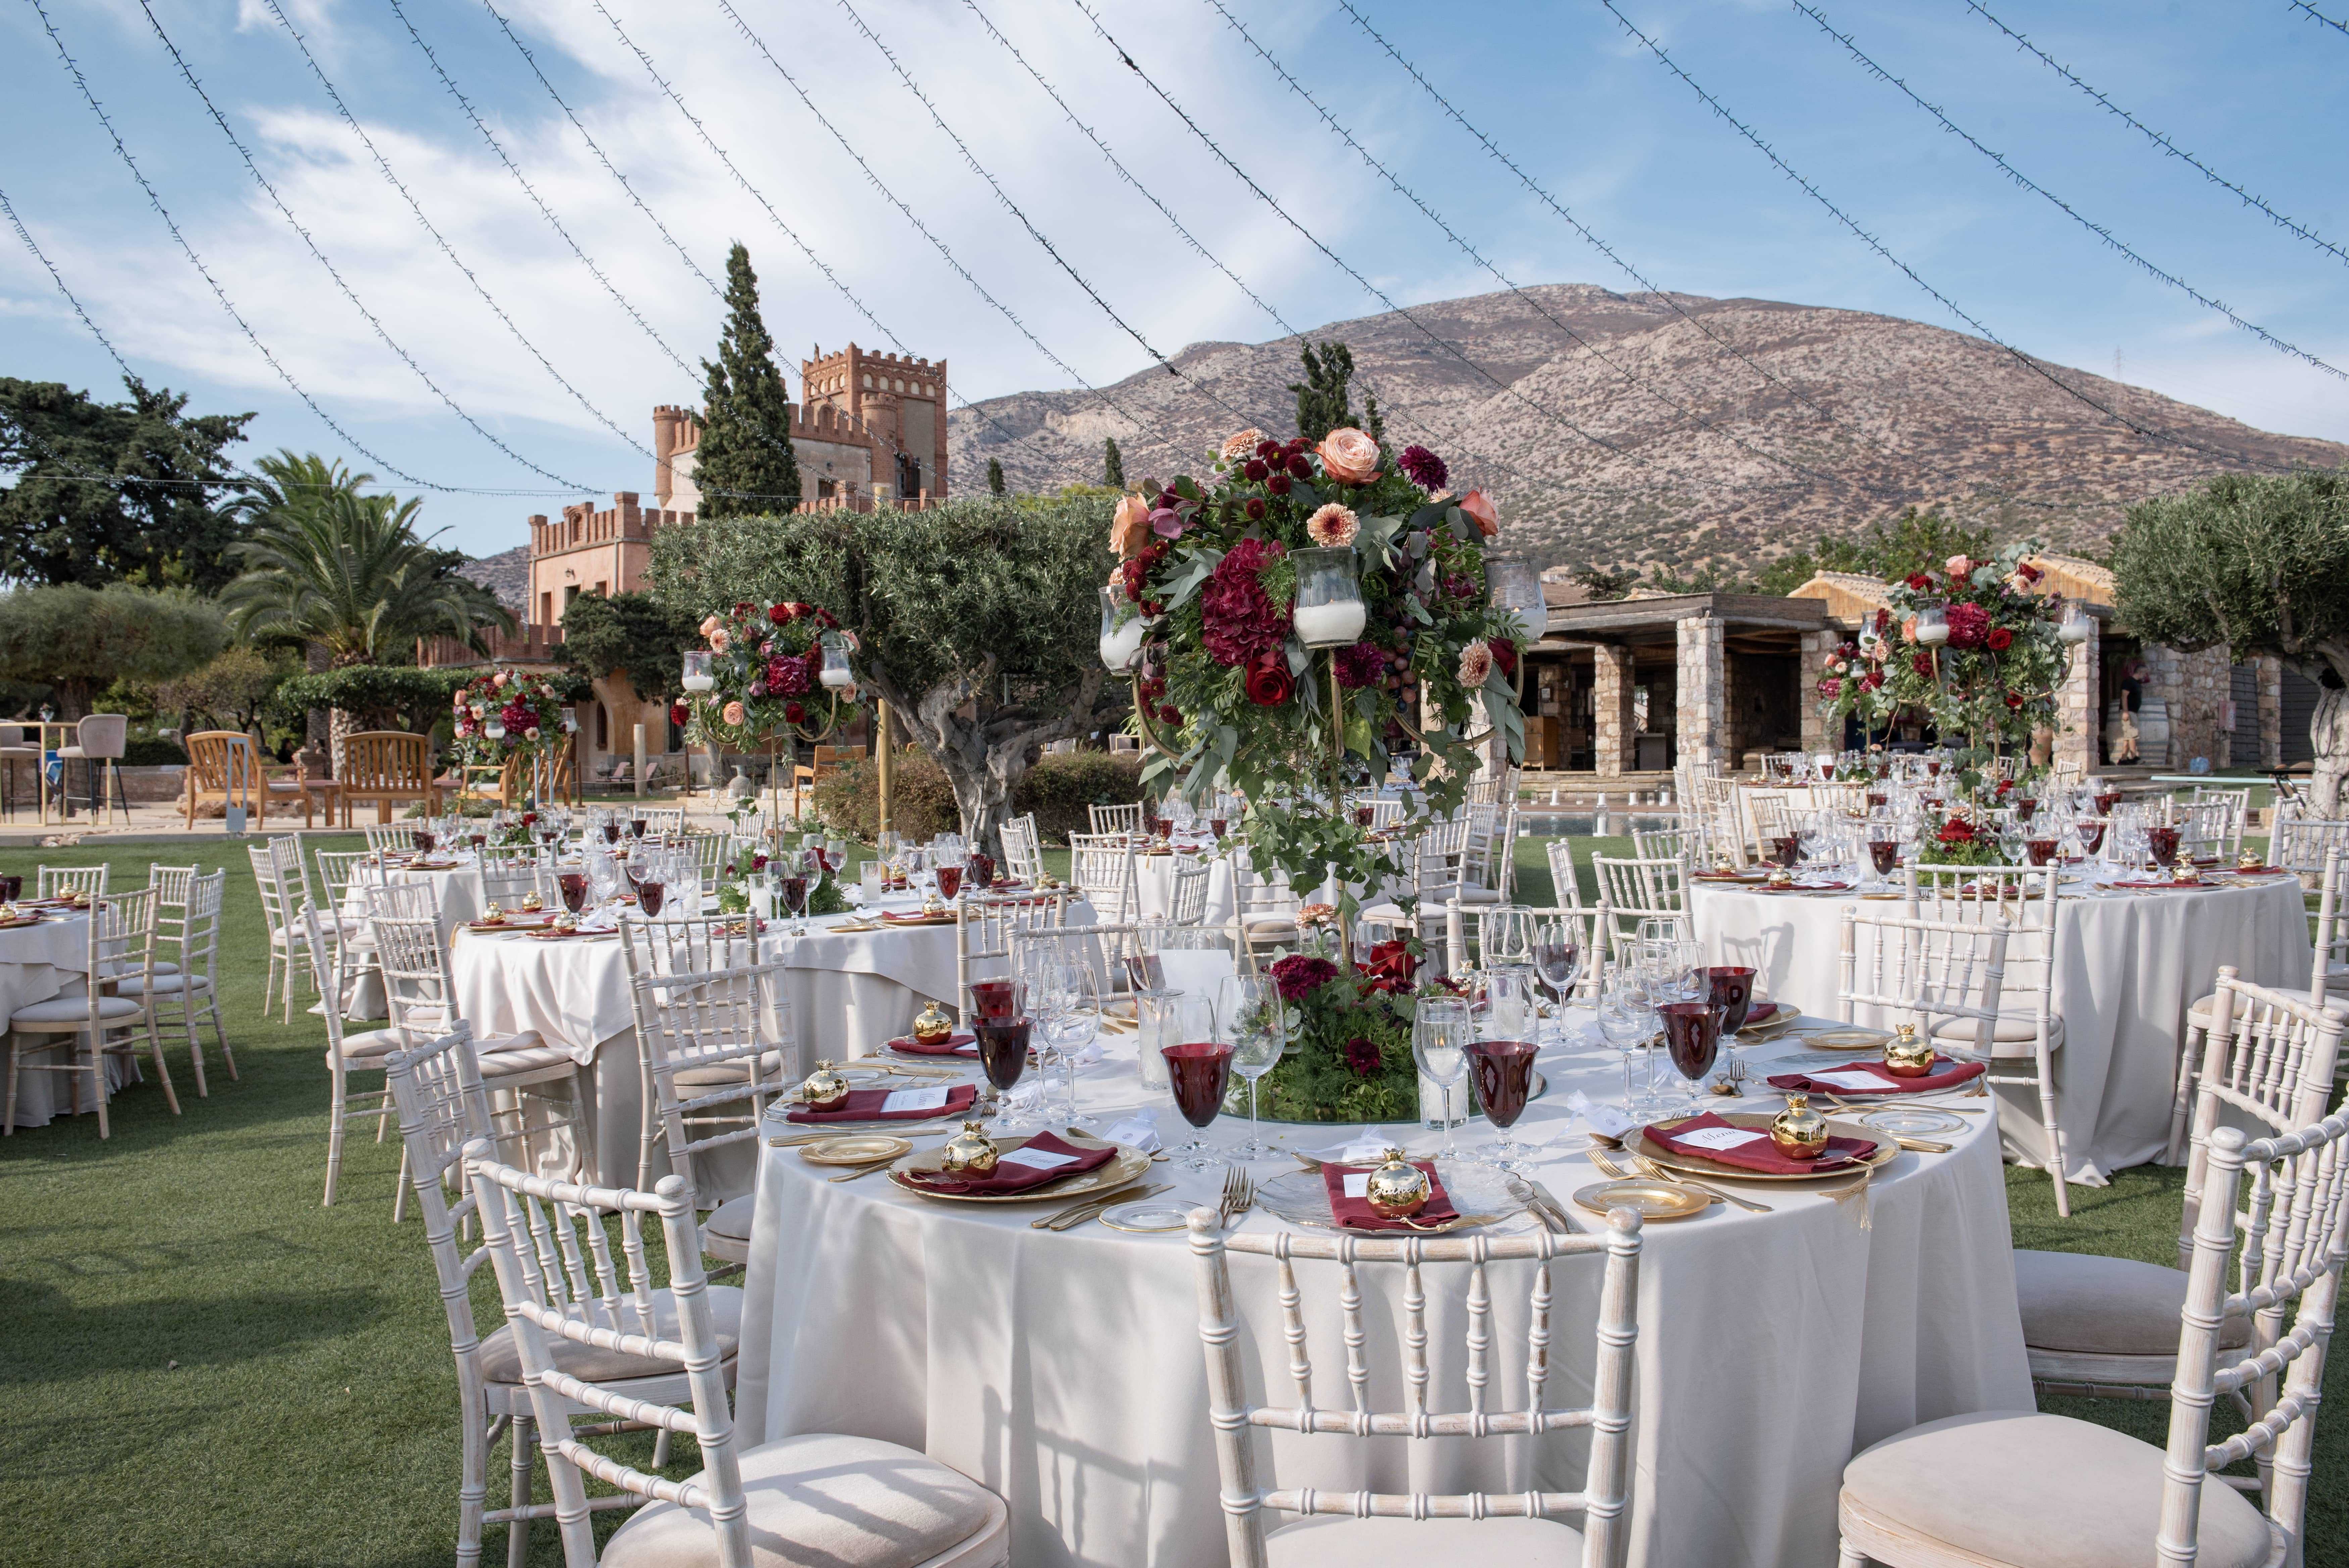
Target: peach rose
[(1240, 447), (1129, 530), (710, 624), (1348, 457), (720, 639), (732, 713), (1959, 566), (1332, 526), (1481, 511)]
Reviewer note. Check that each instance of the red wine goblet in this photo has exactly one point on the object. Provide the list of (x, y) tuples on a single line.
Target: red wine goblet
[(1503, 1071), (1200, 1074)]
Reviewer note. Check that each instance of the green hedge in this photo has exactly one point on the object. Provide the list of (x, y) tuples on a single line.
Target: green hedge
[(1059, 789), (153, 751)]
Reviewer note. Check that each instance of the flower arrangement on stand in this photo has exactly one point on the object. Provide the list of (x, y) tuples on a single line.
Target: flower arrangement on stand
[(509, 713), (771, 671), (1974, 650), (1350, 1057)]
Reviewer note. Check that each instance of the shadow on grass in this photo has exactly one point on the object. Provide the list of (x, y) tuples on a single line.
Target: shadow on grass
[(57, 1338)]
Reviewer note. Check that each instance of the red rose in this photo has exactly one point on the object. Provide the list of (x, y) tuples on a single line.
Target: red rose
[(1956, 831), (779, 614), (1872, 680), (2003, 785), (758, 862), (678, 713), (1389, 966), (1997, 639), (1923, 665), (529, 819), (1361, 1056), (794, 712), (2028, 573), (1919, 581), (1278, 484), (742, 612), (1505, 653), (1268, 684), (2014, 699)]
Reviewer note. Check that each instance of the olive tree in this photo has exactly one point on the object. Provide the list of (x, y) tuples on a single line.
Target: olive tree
[(82, 640), (978, 621), (2259, 563)]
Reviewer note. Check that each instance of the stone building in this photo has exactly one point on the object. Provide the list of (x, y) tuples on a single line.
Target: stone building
[(1641, 684)]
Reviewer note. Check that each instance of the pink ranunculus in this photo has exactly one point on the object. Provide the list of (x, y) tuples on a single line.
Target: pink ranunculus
[(1482, 512), (718, 640), (1349, 455), (1958, 565), (732, 713), (1239, 448), (1332, 526), (1129, 530)]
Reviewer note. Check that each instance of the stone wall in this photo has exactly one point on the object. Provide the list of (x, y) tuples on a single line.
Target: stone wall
[(1817, 646), (1611, 710), (2076, 699), (1702, 681), (2195, 685)]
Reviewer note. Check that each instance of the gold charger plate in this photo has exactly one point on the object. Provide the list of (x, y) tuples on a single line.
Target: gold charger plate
[(1652, 1200), (1846, 1039), (1130, 1164), (915, 921), (856, 1149), (1713, 1170)]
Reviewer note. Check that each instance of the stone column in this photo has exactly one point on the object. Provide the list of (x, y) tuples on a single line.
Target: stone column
[(1703, 675), (1610, 712), (2075, 706), (1817, 646), (2271, 670)]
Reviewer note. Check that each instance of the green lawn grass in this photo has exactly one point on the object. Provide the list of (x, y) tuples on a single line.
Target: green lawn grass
[(205, 1366)]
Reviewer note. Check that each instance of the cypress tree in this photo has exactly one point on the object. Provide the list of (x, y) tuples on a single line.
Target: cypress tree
[(746, 435), (1322, 396), (1112, 465), (994, 476)]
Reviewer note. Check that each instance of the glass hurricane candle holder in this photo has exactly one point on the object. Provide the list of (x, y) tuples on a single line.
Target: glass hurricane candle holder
[(1122, 630), (1328, 611), (696, 677), (1932, 625), (1512, 585), (836, 673), (2077, 625)]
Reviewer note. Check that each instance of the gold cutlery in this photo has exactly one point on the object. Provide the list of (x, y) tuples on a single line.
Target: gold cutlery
[(864, 1169), (1922, 1145), (1597, 1156), (1650, 1168), (1239, 1197), (1093, 1209)]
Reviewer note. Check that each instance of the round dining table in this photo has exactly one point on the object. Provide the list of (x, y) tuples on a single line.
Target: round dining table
[(852, 988), (1063, 1370), (2129, 963)]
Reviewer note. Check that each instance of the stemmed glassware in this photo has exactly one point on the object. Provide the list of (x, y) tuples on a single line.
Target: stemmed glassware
[(1627, 1020), (1883, 849), (1253, 1020), (1069, 1010), (1503, 1071), (1439, 1033), (1558, 961), (1198, 1072)]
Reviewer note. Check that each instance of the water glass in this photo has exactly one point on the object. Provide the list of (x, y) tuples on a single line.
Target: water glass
[(868, 883), (1253, 1022), (1627, 1021), (1439, 1033)]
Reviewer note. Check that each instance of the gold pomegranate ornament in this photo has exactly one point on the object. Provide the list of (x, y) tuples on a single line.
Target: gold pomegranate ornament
[(970, 1152), (1906, 1056), (1397, 1189), (1800, 1133), (825, 1089), (933, 1027)]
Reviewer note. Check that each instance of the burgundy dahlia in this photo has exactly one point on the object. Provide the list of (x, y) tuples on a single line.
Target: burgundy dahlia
[(1299, 975), (1361, 664), (1422, 467), (1361, 1056)]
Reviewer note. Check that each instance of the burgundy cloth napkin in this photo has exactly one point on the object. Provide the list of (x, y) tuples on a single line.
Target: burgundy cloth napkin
[(959, 1044), (1947, 1072), (1760, 1012), (1356, 1213), (1758, 1154), (864, 1105), (1009, 1176)]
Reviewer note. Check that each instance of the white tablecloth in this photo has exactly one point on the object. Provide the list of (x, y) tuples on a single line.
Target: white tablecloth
[(36, 962), (2130, 967), (1154, 875), (1064, 1372), (851, 992)]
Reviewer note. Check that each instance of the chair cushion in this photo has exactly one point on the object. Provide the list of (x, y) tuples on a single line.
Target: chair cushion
[(502, 1362), (1328, 1542), (164, 985), (732, 1218), (505, 1061), (2106, 1306), (1478, 895), (824, 1500), (72, 1010), (2017, 1487), (718, 1073), (2010, 1034)]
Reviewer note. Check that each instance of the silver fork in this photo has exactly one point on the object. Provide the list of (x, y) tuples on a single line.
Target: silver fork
[(1238, 1193)]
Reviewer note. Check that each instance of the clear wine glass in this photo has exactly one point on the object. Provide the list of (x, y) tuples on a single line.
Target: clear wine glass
[(1252, 1018), (1557, 960), (1439, 1043), (1627, 1021), (1070, 1016)]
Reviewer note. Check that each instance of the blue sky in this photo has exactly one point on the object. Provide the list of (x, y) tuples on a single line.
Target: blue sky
[(2254, 88)]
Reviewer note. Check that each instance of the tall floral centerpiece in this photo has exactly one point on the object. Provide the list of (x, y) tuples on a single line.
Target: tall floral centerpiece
[(1298, 623), (768, 672), (508, 713)]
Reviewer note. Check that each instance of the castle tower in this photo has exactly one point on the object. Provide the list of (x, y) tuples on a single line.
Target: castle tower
[(892, 404)]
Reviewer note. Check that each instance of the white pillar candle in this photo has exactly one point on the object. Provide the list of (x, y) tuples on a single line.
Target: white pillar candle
[(1121, 643), (1328, 625), (699, 683)]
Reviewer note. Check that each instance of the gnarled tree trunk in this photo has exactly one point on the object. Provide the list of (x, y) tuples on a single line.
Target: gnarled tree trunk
[(986, 747), (2328, 733)]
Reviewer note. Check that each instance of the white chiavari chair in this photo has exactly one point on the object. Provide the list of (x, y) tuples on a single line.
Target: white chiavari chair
[(1490, 875), (344, 878), (1464, 932), (510, 875), (983, 935), (443, 1107), (1023, 848), (520, 1067), (1370, 1527), (277, 875), (1665, 844), (2329, 968), (1565, 884), (2101, 1325), (1715, 801), (346, 1053), (1658, 886), (389, 839), (1103, 868), (572, 1308), (1928, 973), (2029, 1030), (1188, 904), (60, 882), (2209, 828), (1843, 799), (1772, 814), (1385, 811), (191, 990), (710, 852), (91, 1025), (1477, 854), (2298, 843), (2017, 1486), (713, 1025), (1436, 862), (1108, 820)]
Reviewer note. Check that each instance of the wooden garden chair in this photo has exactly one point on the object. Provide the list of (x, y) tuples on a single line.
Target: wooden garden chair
[(386, 767)]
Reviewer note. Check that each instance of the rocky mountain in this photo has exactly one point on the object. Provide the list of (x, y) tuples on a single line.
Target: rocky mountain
[(1672, 430), (505, 575)]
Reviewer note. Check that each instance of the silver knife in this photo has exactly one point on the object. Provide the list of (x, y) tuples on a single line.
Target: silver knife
[(1555, 1207)]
